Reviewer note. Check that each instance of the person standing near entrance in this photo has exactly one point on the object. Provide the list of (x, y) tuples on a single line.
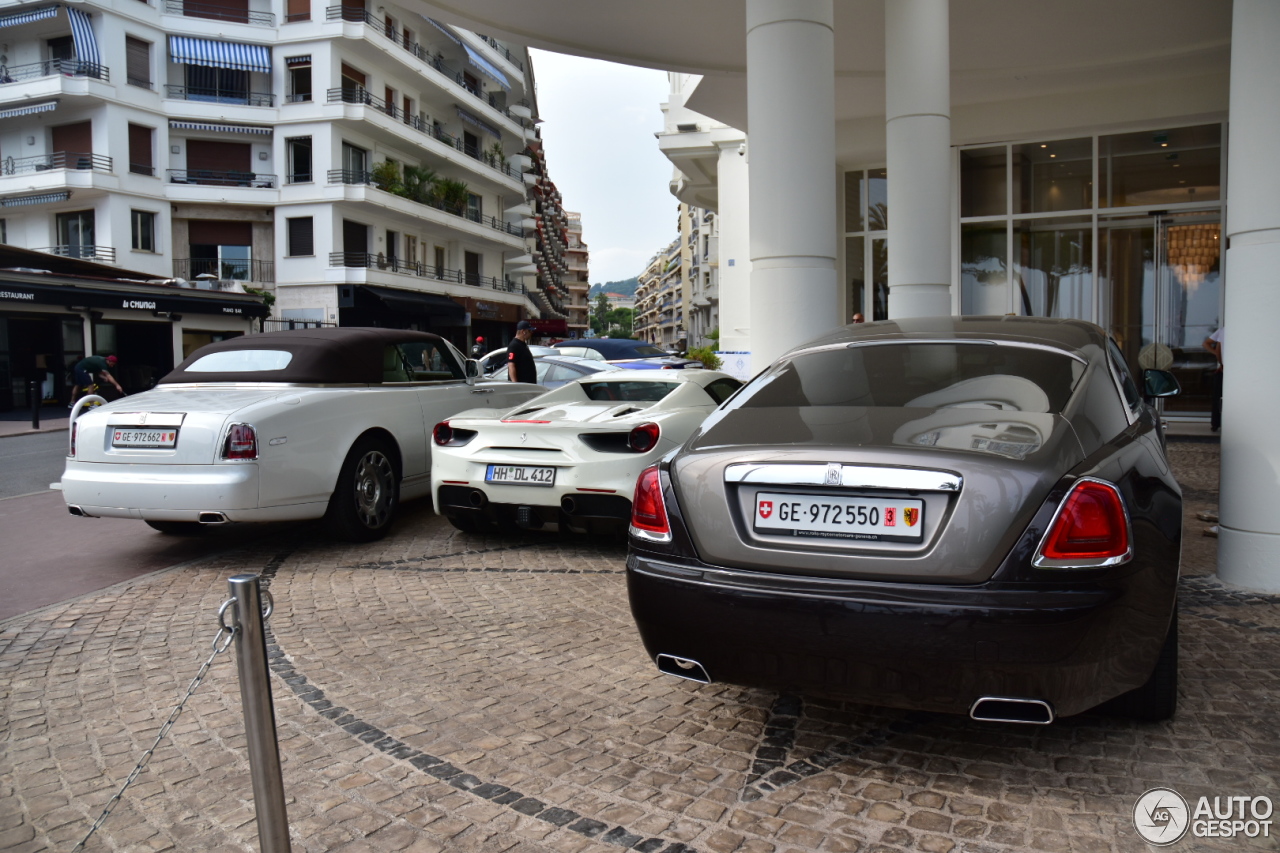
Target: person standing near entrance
[(858, 318), (1213, 344), (520, 366), (93, 369)]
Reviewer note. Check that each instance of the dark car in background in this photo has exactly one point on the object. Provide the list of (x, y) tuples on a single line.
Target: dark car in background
[(624, 350), (963, 515), (554, 371)]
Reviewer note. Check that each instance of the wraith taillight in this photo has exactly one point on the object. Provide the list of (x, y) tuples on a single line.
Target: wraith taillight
[(442, 434), (648, 512), (1090, 530), (74, 428), (644, 438), (242, 443)]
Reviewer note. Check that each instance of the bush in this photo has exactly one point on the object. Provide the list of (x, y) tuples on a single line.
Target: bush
[(706, 355)]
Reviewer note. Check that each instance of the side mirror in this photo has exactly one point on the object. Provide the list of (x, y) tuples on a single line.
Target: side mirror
[(1159, 383), (471, 370)]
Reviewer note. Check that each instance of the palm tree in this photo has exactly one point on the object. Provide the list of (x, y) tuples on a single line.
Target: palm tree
[(452, 194), (420, 183)]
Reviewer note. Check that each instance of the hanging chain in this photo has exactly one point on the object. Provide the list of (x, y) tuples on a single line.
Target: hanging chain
[(221, 642)]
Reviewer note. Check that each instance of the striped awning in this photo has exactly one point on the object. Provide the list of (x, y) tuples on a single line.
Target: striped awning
[(29, 109), (82, 35), (219, 128), (294, 61), (28, 16), (486, 67), (485, 126), (442, 28), (220, 54), (42, 198)]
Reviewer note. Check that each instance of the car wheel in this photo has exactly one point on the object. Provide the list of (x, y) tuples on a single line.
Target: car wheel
[(177, 528), (1158, 698), (368, 492)]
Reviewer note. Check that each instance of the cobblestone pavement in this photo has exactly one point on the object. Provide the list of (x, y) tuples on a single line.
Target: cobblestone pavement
[(447, 692)]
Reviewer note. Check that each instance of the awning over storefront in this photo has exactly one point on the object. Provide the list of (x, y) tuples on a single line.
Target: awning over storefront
[(483, 125), (27, 16), (82, 34), (144, 299), (219, 128), (412, 304), (220, 54), (29, 109), (486, 67)]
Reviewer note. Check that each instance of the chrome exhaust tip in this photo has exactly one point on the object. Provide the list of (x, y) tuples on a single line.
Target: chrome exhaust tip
[(477, 498), (682, 668), (212, 518), (76, 511), (1010, 709)]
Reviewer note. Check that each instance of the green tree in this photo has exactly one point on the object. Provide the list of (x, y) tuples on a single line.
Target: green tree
[(600, 315), (619, 322)]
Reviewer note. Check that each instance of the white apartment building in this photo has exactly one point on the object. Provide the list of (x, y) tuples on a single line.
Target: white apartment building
[(677, 299), (577, 279), (361, 165)]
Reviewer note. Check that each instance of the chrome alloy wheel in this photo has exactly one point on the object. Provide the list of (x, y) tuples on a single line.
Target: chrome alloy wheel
[(375, 489)]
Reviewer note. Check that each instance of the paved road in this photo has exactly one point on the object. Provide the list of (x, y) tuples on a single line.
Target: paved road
[(29, 463)]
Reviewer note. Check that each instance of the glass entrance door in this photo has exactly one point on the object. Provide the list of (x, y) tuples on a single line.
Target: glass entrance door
[(1162, 281)]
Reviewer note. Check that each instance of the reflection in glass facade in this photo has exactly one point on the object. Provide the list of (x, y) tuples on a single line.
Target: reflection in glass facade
[(984, 269), (1050, 177), (983, 182), (1053, 270), (856, 274), (1160, 167), (866, 216)]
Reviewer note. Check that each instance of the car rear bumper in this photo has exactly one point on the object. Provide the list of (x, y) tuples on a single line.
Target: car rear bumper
[(911, 646), (527, 507)]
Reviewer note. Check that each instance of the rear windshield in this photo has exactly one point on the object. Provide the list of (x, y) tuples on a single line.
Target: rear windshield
[(241, 361), (945, 375), (628, 392)]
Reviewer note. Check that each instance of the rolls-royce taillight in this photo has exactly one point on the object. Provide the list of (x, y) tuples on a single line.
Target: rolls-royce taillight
[(242, 442), (1090, 530), (74, 428), (648, 511)]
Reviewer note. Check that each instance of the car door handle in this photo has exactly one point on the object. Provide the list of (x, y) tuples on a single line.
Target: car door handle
[(481, 390)]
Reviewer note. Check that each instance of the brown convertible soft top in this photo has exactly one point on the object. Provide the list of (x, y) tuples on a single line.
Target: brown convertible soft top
[(328, 356)]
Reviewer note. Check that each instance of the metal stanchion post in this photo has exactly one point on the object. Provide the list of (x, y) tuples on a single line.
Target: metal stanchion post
[(36, 394), (259, 716)]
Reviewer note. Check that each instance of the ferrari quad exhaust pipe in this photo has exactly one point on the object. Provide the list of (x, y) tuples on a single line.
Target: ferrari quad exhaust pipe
[(477, 498), (682, 668), (212, 518), (1006, 709), (568, 504)]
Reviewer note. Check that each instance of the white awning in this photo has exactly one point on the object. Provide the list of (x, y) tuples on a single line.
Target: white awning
[(219, 128), (442, 28), (220, 54), (29, 109), (486, 67), (42, 198), (485, 126), (82, 34), (28, 16)]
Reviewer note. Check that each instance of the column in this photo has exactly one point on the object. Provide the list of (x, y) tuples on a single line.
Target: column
[(918, 156), (791, 109), (1249, 539), (734, 206)]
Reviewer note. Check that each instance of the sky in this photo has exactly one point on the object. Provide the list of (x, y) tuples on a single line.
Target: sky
[(598, 122)]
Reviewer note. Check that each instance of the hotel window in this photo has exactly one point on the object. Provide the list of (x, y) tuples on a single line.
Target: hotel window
[(301, 236), (866, 216), (137, 57), (143, 226), (298, 150), (140, 150)]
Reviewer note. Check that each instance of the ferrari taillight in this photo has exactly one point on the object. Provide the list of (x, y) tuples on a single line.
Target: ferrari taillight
[(644, 438), (648, 512), (242, 443), (1090, 529), (442, 434)]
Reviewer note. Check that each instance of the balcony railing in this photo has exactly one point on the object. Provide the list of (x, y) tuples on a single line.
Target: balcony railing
[(225, 270), (106, 254), (506, 54), (209, 177), (55, 160), (221, 96), (365, 260), (52, 67), (345, 95), (218, 13), (358, 177)]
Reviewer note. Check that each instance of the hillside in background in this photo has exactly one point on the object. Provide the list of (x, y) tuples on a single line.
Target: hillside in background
[(627, 287)]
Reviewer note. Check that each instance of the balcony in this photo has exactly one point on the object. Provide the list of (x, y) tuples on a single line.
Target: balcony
[(365, 260), (54, 67), (211, 178), (105, 254), (219, 13), (363, 97), (220, 96), (358, 178), (238, 270), (502, 51), (56, 160)]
